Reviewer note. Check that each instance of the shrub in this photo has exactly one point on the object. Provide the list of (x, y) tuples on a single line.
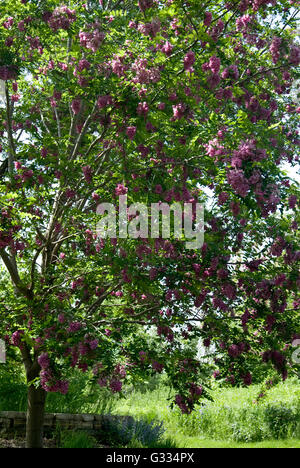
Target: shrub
[(283, 421), (77, 439), (128, 429)]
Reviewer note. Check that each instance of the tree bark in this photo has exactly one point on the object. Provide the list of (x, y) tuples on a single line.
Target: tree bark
[(36, 400), (35, 417)]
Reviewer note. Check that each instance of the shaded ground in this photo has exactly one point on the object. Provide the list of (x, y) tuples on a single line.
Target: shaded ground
[(20, 443)]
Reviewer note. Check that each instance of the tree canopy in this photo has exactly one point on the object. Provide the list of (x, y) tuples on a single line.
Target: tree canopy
[(173, 101)]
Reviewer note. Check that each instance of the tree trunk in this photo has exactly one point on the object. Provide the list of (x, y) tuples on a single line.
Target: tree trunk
[(36, 399), (35, 417)]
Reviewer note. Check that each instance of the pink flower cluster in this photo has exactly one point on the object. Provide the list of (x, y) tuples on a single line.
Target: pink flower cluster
[(61, 18), (275, 49), (145, 4), (16, 338), (88, 174), (217, 30), (74, 327), (143, 108), (150, 29), (44, 360), (114, 382), (195, 390), (214, 64), (92, 39), (277, 358), (180, 402), (7, 73), (178, 111), (207, 18), (76, 105), (115, 385), (189, 61), (145, 75), (235, 350), (167, 48), (223, 197), (157, 366), (49, 384), (131, 132), (247, 379), (247, 151), (104, 101), (118, 66), (229, 291), (8, 23), (243, 22), (231, 72), (214, 148), (294, 56), (238, 182), (121, 190)]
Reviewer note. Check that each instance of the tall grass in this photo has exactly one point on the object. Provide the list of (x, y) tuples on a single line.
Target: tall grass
[(232, 416)]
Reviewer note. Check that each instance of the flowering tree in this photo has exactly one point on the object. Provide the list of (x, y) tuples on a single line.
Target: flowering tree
[(161, 101)]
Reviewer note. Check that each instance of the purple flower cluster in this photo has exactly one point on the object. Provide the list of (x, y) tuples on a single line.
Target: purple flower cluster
[(145, 4), (104, 101), (16, 338), (49, 384), (275, 49), (88, 174), (61, 18), (143, 74), (74, 327), (44, 360), (243, 22), (150, 29), (238, 182), (8, 72), (189, 61), (93, 39)]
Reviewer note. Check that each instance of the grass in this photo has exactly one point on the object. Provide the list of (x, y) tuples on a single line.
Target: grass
[(195, 442), (77, 439), (232, 420)]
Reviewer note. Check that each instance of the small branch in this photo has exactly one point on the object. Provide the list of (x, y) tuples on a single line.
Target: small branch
[(10, 267), (96, 141), (33, 265), (44, 123), (58, 123), (3, 167), (82, 133), (94, 306), (12, 152), (14, 274)]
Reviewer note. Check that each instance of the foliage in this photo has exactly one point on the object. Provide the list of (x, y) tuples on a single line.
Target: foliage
[(129, 430), (77, 439), (158, 101), (233, 416)]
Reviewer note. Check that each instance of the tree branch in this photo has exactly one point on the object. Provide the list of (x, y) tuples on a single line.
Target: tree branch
[(12, 151)]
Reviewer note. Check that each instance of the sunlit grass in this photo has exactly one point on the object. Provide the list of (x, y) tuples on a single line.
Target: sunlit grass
[(232, 419)]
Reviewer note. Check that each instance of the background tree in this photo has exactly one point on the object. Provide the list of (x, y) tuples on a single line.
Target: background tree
[(162, 101)]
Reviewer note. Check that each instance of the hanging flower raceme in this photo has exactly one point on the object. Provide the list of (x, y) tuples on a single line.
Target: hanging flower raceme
[(145, 4), (61, 18), (93, 38)]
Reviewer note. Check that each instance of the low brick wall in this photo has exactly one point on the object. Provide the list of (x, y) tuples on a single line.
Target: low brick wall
[(12, 422)]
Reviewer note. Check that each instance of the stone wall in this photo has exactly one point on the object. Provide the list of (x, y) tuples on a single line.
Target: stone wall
[(12, 422)]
